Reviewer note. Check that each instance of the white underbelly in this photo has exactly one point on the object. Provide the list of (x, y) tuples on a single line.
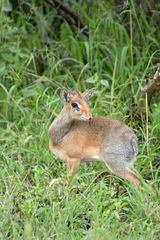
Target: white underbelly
[(92, 159)]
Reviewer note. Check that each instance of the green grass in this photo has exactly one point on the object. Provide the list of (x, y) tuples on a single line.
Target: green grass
[(99, 206)]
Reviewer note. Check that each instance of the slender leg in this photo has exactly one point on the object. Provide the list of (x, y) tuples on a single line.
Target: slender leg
[(129, 175), (72, 168), (121, 169)]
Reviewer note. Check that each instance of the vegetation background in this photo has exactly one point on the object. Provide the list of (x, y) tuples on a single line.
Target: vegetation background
[(42, 50)]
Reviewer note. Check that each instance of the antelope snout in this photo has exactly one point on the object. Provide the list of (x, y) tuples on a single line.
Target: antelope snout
[(90, 116), (86, 116)]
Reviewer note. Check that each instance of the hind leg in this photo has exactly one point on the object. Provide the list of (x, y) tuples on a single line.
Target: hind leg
[(129, 175), (121, 168)]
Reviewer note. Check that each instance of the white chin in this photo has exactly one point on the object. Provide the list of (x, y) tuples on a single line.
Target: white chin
[(84, 119)]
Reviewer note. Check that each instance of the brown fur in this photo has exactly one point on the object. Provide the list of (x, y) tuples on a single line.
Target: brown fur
[(75, 136)]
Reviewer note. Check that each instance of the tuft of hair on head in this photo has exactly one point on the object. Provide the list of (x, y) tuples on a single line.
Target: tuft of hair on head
[(66, 94), (76, 92)]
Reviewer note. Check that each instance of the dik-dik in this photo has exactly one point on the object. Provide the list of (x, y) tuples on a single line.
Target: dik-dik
[(75, 136)]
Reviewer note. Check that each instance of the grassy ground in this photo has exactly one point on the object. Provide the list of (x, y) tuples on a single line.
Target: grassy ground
[(115, 59)]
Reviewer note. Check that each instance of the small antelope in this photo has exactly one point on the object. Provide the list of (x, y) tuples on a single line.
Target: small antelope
[(75, 136)]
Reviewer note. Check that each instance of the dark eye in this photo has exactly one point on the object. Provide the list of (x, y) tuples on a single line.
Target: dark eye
[(75, 106)]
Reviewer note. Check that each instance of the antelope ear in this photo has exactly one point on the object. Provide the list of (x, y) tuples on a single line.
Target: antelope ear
[(65, 95), (86, 95)]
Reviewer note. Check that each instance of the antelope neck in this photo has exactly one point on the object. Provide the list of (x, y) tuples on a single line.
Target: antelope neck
[(60, 127)]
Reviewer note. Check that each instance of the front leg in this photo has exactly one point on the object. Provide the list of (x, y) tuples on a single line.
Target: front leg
[(72, 168)]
